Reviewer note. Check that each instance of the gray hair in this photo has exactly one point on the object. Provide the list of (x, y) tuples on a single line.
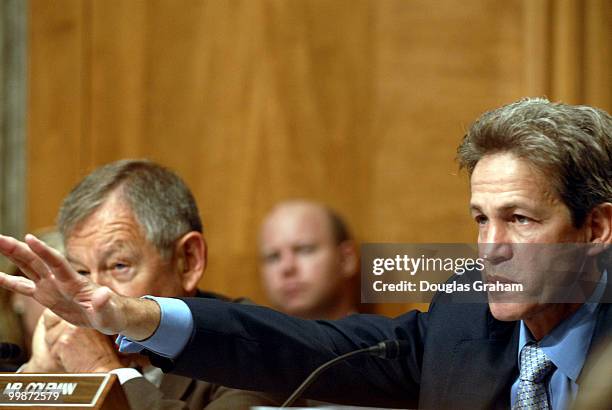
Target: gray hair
[(161, 202), (570, 144)]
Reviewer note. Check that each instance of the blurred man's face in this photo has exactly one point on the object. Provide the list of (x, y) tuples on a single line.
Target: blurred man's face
[(111, 249), (513, 203), (301, 263)]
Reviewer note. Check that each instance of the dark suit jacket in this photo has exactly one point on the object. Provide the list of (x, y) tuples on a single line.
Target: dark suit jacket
[(460, 356), (178, 392)]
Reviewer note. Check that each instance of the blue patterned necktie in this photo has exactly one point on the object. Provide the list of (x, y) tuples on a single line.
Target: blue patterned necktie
[(535, 367)]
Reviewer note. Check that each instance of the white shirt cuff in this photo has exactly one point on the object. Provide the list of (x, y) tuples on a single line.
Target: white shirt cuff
[(125, 374)]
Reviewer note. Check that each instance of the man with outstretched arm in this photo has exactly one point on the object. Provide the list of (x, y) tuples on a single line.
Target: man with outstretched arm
[(540, 173)]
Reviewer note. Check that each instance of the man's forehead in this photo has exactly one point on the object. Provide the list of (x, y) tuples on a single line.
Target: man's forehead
[(297, 220), (102, 249), (508, 182), (113, 217), (505, 172), (104, 233)]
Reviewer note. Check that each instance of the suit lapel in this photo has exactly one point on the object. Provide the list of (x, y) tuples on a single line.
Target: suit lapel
[(491, 365)]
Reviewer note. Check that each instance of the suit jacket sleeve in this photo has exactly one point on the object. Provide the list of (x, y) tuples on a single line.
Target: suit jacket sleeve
[(256, 348)]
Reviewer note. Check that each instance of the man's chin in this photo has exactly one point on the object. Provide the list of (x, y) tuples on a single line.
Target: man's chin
[(508, 312), (294, 308)]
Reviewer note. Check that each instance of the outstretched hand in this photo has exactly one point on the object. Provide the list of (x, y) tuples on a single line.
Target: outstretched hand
[(55, 284)]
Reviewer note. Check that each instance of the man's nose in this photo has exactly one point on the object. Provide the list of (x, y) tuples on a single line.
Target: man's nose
[(495, 245), (287, 263), (98, 278)]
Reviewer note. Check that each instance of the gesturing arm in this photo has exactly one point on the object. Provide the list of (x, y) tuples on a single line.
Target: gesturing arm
[(256, 348), (239, 346)]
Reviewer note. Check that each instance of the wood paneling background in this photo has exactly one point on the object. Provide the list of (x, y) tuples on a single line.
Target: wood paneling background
[(358, 103)]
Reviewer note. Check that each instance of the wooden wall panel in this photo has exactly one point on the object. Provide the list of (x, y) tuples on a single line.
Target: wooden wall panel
[(598, 53), (568, 49), (358, 103), (57, 98)]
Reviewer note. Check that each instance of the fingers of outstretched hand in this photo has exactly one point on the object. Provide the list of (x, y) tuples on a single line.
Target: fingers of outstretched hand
[(22, 256), (56, 262), (17, 284)]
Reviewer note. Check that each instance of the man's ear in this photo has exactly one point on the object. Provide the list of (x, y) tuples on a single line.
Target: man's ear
[(190, 259), (348, 258), (600, 227)]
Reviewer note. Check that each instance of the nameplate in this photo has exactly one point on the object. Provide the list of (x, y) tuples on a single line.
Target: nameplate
[(52, 390)]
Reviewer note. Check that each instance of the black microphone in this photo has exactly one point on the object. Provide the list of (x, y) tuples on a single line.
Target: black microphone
[(389, 349), (9, 351)]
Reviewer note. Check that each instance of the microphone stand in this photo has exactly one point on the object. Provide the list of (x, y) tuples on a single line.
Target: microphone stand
[(389, 349)]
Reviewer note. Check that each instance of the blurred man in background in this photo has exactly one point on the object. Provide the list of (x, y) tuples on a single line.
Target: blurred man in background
[(18, 313), (308, 261), (132, 226), (10, 331), (28, 309)]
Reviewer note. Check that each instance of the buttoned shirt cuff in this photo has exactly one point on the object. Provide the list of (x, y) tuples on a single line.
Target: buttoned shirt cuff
[(172, 334), (125, 374)]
